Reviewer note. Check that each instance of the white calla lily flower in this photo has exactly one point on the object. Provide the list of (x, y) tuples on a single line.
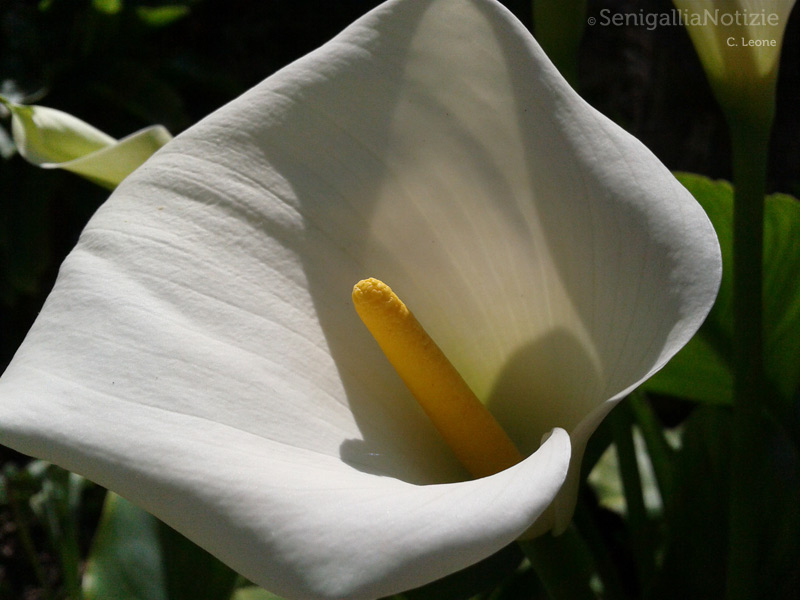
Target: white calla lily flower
[(201, 356)]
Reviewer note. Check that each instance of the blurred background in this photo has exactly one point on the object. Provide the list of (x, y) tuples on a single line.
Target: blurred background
[(122, 65)]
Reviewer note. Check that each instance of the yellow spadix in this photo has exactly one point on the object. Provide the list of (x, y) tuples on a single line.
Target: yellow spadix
[(476, 438)]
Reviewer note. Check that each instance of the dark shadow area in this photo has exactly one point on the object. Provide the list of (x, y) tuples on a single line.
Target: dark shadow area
[(551, 382)]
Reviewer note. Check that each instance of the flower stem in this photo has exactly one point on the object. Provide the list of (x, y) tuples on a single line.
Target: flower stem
[(750, 141), (661, 454), (25, 537), (606, 562), (639, 527), (563, 565)]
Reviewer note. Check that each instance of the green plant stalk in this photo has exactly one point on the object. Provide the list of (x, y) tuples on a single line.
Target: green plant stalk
[(70, 550), (639, 528), (62, 529), (608, 568), (23, 531), (563, 564), (661, 454), (750, 142)]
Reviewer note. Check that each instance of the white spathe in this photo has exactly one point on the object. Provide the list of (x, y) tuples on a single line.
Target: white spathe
[(200, 354)]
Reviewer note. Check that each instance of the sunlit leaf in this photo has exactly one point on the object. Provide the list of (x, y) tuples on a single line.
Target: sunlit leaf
[(254, 593), (160, 16), (108, 7), (125, 559), (701, 371), (782, 292), (136, 557), (191, 573)]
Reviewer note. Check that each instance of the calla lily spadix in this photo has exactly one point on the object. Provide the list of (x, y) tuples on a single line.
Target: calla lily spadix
[(201, 356)]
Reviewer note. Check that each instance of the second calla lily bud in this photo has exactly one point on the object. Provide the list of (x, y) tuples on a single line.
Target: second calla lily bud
[(52, 139), (739, 44)]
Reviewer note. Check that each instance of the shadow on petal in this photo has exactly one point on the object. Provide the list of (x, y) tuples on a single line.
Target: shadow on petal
[(550, 382)]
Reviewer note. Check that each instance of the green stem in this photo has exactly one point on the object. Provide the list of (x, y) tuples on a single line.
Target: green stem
[(750, 141), (70, 550), (24, 534), (563, 565), (661, 454), (607, 564), (638, 521)]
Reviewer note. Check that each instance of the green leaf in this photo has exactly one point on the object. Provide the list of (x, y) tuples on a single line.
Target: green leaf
[(190, 572), (56, 506), (480, 577), (702, 371), (161, 16), (254, 593), (696, 511), (125, 559), (782, 293), (563, 564), (137, 557), (698, 372), (659, 450), (107, 7)]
